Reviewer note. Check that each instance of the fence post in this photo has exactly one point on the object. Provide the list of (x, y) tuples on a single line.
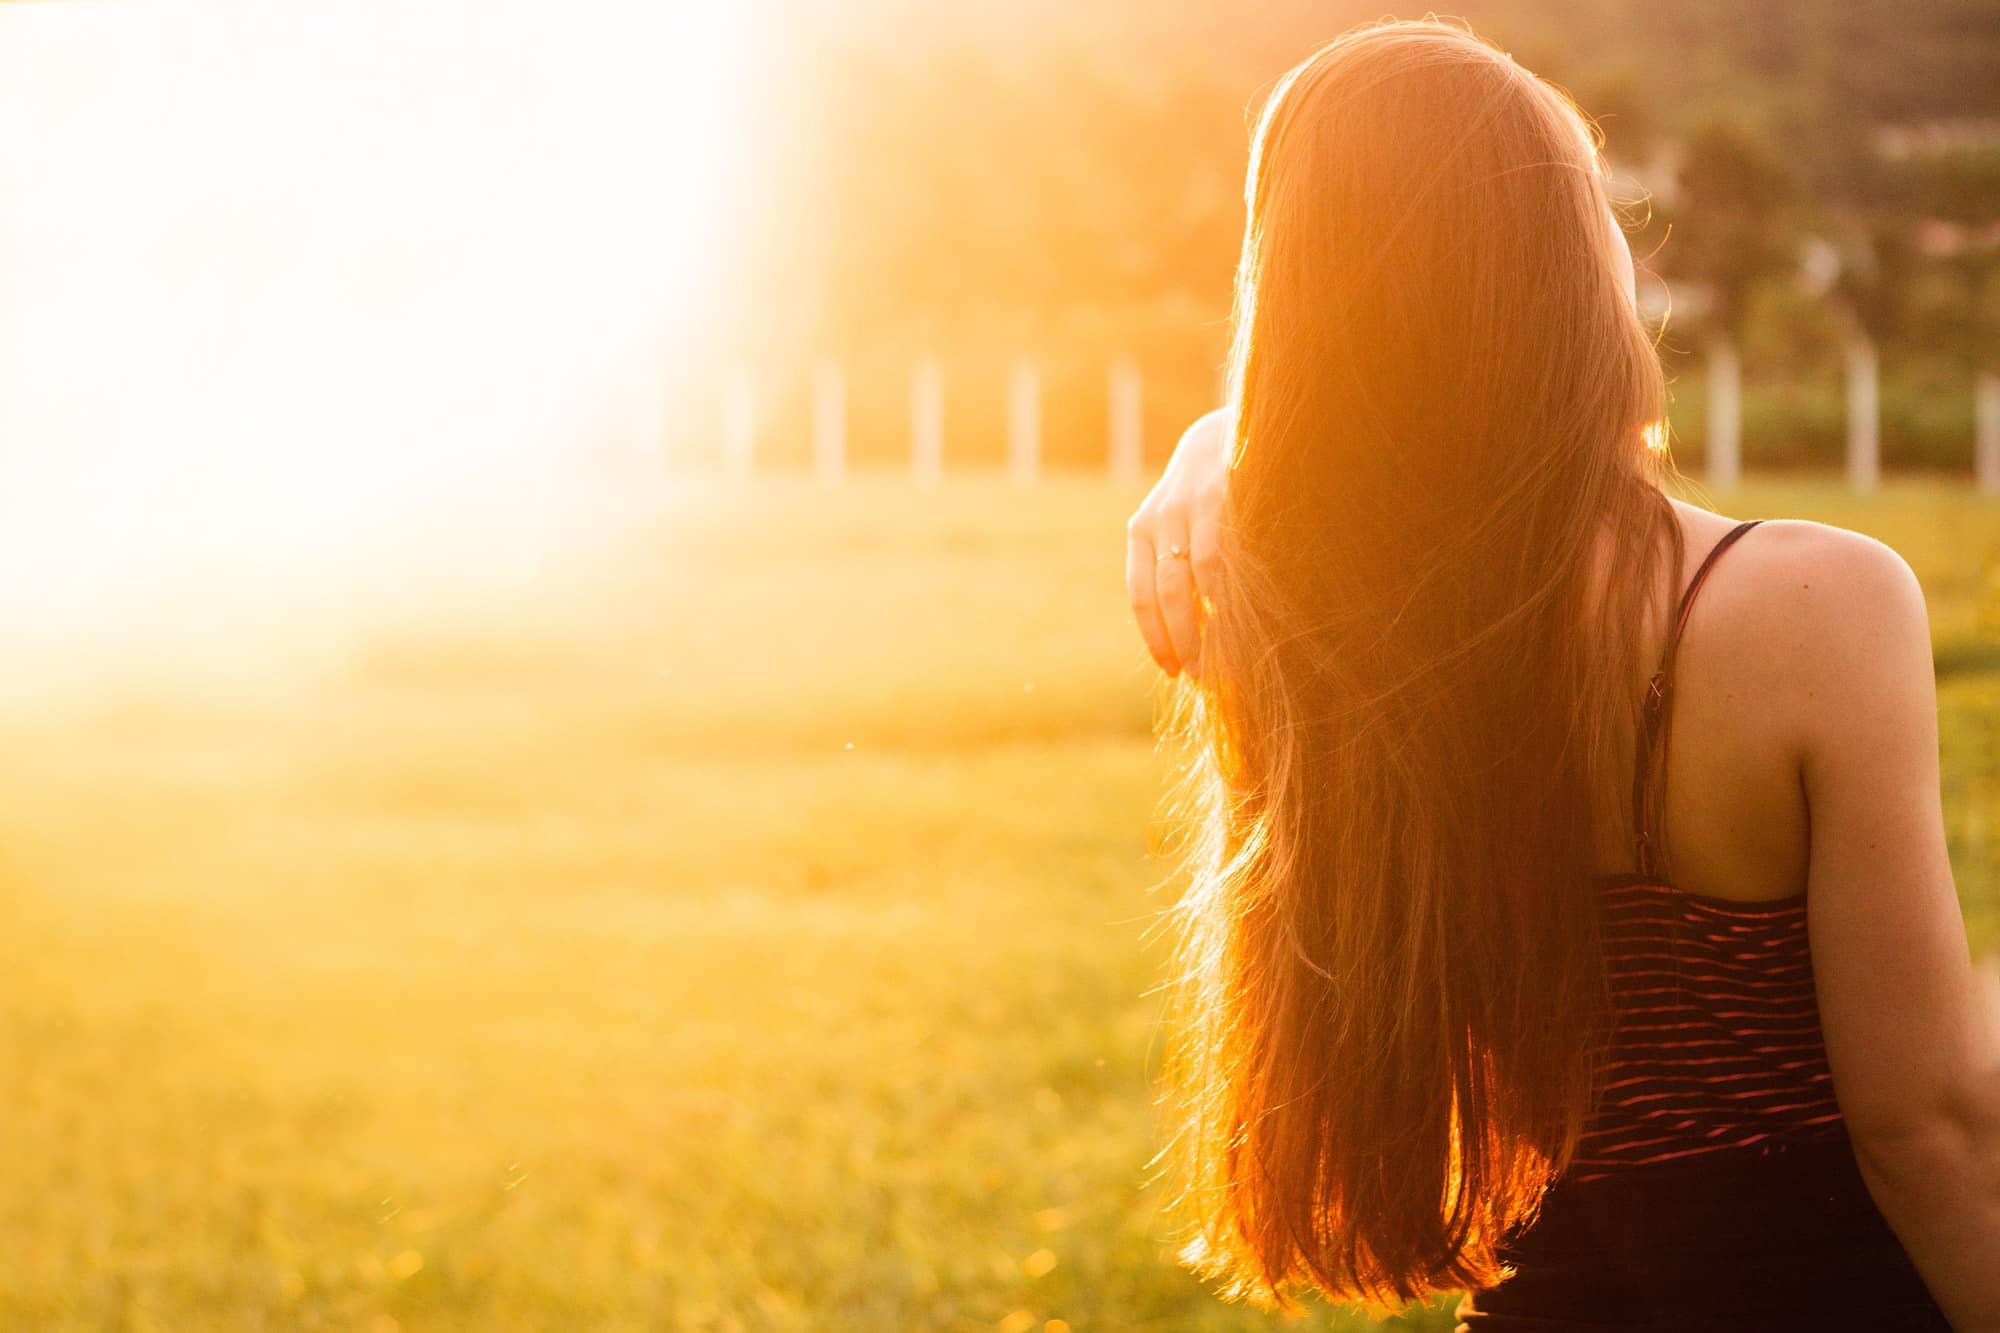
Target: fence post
[(1127, 450), (1725, 416), (739, 423), (1864, 416), (927, 422), (829, 422), (1986, 451), (1024, 423)]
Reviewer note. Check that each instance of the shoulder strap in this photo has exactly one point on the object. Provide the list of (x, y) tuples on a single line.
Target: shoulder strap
[(1646, 802)]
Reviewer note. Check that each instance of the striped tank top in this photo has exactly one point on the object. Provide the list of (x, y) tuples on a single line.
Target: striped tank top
[(1717, 1043), (1714, 1186)]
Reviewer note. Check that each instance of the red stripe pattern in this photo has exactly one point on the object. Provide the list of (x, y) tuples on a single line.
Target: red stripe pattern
[(1717, 1045)]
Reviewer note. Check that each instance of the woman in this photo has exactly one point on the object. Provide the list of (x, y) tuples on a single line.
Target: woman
[(1471, 997)]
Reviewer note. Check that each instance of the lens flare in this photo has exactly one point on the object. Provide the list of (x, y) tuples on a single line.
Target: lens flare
[(293, 295)]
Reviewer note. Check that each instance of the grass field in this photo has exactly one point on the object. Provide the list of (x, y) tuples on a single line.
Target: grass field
[(742, 928)]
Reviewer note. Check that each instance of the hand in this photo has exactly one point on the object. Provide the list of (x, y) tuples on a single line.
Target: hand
[(1183, 513)]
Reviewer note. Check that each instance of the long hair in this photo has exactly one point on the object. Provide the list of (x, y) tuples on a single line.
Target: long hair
[(1421, 676)]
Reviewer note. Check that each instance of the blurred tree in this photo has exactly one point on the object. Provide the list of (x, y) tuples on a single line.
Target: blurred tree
[(1735, 223), (1622, 105), (1066, 180), (1961, 186), (1898, 287), (1875, 274)]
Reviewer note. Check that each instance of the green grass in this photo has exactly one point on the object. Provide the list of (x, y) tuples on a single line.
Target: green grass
[(744, 928)]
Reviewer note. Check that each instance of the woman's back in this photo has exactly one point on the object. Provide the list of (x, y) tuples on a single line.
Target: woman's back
[(1402, 733), (1715, 1184), (1734, 821)]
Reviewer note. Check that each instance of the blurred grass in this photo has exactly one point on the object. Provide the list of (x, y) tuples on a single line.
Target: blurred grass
[(744, 928), (1797, 421)]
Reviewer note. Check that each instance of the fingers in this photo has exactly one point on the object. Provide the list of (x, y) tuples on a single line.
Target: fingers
[(1142, 589), (1205, 560), (1175, 583), (1172, 560)]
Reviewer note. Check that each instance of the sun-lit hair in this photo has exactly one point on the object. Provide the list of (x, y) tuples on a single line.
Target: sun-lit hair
[(1419, 687)]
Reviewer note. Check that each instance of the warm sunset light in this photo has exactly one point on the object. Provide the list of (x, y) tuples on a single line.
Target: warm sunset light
[(902, 666), (294, 291)]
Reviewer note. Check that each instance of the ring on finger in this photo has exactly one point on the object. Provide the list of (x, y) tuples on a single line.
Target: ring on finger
[(1171, 553)]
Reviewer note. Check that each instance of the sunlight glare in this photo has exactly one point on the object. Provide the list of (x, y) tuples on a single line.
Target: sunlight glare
[(297, 295)]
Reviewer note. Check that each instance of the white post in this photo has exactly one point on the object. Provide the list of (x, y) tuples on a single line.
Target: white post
[(1024, 423), (1126, 422), (927, 422), (1725, 416), (1864, 416), (1986, 451), (829, 433), (739, 423)]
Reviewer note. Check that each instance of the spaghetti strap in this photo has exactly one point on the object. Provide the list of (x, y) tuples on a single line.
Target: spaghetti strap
[(1646, 803)]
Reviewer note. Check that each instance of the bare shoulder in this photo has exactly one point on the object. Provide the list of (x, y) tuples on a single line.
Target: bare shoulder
[(1821, 620), (1831, 583)]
